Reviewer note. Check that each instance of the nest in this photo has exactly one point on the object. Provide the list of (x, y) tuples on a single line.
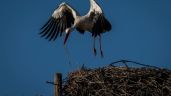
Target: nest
[(118, 81)]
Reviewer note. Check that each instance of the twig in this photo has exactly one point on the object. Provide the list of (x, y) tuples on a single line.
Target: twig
[(127, 61), (49, 82)]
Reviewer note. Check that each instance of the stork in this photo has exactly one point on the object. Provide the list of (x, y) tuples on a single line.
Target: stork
[(65, 19)]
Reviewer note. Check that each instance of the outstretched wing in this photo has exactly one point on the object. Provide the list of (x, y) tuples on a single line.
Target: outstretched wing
[(101, 24), (62, 18)]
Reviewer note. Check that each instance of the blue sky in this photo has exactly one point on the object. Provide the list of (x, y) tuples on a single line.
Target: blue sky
[(141, 32)]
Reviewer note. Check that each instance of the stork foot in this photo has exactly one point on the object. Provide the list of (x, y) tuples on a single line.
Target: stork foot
[(101, 52), (95, 53)]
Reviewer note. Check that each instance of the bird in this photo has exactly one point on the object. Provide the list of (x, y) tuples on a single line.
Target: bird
[(65, 19)]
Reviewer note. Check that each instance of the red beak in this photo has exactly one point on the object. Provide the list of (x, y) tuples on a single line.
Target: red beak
[(66, 37)]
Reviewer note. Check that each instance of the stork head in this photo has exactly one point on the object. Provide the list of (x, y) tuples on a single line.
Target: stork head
[(68, 31)]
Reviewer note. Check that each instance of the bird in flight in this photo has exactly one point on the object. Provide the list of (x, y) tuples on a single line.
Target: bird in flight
[(65, 19)]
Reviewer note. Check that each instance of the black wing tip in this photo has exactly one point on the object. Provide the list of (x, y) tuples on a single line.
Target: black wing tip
[(101, 25), (48, 29), (46, 24), (109, 27), (49, 32)]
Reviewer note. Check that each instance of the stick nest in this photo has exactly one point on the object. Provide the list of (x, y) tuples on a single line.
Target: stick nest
[(118, 81)]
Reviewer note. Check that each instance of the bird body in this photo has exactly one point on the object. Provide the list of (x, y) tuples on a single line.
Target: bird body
[(66, 19), (84, 22)]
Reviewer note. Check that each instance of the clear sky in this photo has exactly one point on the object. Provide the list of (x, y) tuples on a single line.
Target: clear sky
[(141, 32)]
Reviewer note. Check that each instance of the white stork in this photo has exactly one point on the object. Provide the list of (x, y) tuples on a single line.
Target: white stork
[(65, 19)]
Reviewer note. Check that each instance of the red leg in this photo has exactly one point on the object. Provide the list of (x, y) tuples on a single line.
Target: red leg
[(100, 46), (94, 46)]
